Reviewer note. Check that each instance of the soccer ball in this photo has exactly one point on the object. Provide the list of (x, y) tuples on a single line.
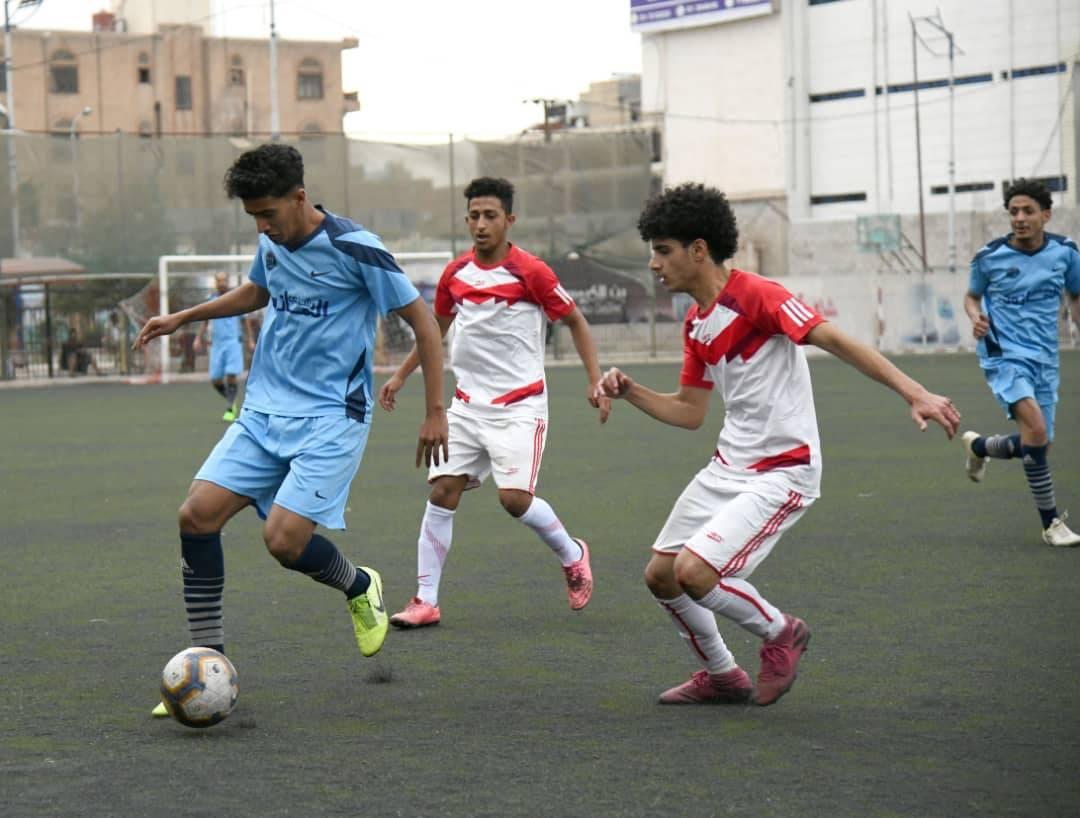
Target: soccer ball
[(198, 687)]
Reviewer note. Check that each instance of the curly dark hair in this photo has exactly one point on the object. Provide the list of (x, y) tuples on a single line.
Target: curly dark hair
[(501, 189), (1029, 187), (268, 170), (691, 211)]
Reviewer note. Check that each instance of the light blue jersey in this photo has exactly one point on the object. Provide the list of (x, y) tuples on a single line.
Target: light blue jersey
[(315, 349), (1021, 294)]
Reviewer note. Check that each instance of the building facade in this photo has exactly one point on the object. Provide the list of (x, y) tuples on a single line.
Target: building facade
[(814, 106), (174, 80)]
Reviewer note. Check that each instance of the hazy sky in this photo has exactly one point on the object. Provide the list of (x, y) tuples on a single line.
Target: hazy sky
[(434, 66)]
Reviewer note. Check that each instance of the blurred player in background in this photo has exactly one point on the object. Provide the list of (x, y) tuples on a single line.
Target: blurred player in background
[(497, 296), (298, 441), (741, 338), (1013, 302), (226, 351)]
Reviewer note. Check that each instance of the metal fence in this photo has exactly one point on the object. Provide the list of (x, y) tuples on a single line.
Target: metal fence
[(115, 203)]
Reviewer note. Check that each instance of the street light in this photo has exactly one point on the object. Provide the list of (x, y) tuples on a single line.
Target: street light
[(75, 163)]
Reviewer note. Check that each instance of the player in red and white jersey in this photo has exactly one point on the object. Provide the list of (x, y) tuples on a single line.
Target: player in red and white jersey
[(497, 297), (742, 339)]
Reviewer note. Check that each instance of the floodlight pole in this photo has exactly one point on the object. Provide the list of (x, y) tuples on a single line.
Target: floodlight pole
[(9, 127), (275, 116), (918, 141), (936, 23)]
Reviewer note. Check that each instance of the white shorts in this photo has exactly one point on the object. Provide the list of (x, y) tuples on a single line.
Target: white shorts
[(510, 449), (731, 524)]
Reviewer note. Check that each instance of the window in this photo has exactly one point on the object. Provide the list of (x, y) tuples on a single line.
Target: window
[(183, 93), (143, 71), (63, 73), (833, 95), (309, 80), (837, 198), (1055, 184), (963, 187), (236, 70), (1058, 68)]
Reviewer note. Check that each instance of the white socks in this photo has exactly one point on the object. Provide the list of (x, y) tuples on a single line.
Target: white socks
[(740, 602), (697, 627), (540, 517), (436, 533)]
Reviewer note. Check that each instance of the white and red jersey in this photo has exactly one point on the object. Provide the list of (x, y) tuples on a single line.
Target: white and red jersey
[(498, 349), (746, 346)]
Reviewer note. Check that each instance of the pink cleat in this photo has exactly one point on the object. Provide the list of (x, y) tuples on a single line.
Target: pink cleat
[(417, 614), (703, 687), (579, 579), (780, 660)]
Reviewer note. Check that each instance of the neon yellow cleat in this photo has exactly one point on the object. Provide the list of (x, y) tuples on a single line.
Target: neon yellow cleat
[(160, 712), (230, 414), (369, 615)]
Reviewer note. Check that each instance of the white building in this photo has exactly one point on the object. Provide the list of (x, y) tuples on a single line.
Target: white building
[(814, 100)]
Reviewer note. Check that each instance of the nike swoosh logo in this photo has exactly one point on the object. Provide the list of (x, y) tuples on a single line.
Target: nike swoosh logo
[(320, 275), (378, 606), (317, 494)]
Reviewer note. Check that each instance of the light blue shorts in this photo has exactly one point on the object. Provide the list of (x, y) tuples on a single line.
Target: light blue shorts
[(1015, 379), (304, 465), (226, 359)]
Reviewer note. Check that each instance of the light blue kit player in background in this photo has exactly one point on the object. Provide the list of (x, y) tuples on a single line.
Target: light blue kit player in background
[(297, 443), (226, 351), (1013, 301)]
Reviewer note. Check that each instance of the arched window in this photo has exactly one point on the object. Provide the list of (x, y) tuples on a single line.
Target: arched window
[(144, 68), (236, 70), (309, 80), (63, 73)]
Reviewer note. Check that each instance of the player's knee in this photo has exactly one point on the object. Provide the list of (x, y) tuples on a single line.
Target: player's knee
[(445, 494), (515, 502), (660, 579), (693, 574), (194, 519), (281, 546)]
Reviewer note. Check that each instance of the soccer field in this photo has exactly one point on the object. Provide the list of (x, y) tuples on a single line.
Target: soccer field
[(942, 679)]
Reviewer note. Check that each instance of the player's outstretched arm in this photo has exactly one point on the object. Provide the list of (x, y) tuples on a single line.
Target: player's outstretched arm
[(389, 390), (245, 298), (434, 431), (586, 350), (925, 405), (686, 408)]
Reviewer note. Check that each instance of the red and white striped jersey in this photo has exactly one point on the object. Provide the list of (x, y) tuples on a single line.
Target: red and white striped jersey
[(746, 347), (498, 348)]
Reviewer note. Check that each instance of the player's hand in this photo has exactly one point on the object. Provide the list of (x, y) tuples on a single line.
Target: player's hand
[(388, 393), (158, 325), (434, 438), (938, 409), (197, 344), (980, 326), (614, 384), (600, 401)]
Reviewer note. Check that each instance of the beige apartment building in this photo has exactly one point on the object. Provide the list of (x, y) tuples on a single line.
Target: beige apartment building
[(175, 80)]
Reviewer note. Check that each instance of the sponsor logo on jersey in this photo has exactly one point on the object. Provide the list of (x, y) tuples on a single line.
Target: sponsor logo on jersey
[(269, 260)]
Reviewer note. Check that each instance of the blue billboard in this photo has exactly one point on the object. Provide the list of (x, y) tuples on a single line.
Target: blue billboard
[(662, 15)]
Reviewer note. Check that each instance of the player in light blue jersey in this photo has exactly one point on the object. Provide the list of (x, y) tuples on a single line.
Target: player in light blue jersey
[(1013, 302), (297, 444), (226, 351)]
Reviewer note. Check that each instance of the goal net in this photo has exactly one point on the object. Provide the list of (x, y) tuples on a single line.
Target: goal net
[(186, 280)]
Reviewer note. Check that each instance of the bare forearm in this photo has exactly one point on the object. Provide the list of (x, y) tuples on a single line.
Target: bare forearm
[(867, 360), (586, 350), (245, 298), (972, 306), (667, 407)]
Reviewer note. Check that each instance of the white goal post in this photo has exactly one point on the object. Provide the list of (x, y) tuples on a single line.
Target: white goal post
[(422, 268)]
